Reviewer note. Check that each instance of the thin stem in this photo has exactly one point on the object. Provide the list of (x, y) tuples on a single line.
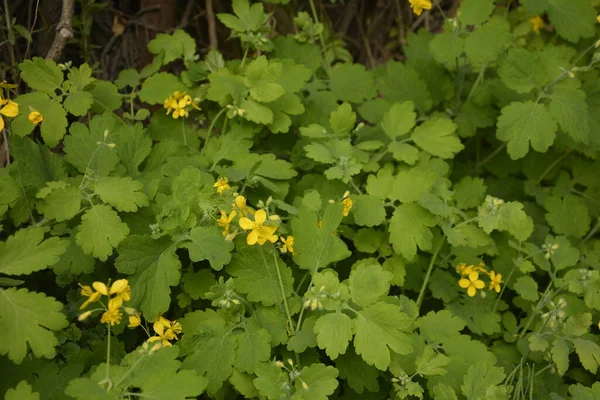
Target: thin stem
[(108, 355), (355, 187), (326, 65), (477, 82), (491, 155), (510, 274), (130, 370), (212, 125), (551, 166), (428, 274), (537, 309), (183, 132), (282, 288), (592, 232)]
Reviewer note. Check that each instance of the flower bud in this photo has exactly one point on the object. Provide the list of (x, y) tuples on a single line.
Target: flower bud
[(84, 315)]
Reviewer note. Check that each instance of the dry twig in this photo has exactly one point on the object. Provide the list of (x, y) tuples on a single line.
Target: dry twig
[(64, 31)]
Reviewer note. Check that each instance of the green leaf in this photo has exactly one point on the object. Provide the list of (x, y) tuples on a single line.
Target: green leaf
[(469, 192), (254, 346), (78, 103), (305, 337), (485, 43), (208, 243), (62, 203), (158, 87), (334, 332), (409, 228), (397, 267), (42, 75), (399, 119), (100, 231), (479, 378), (214, 348), (560, 356), (352, 83), (437, 136), (495, 214), (132, 147), (54, 125), (430, 363), (522, 123), (154, 266), (106, 97), (368, 210), (436, 327), (568, 215), (316, 382), (23, 391), (35, 164), (320, 153), (256, 272), (128, 77), (124, 194), (589, 354), (523, 70), (358, 374), (246, 19), (404, 152), (26, 251), (343, 119), (26, 320), (442, 391), (446, 47), (260, 78), (380, 328), (317, 246), (175, 46), (256, 112), (411, 184), (400, 83), (368, 283), (85, 149), (271, 380), (475, 12), (573, 19), (570, 110), (527, 288), (74, 260)]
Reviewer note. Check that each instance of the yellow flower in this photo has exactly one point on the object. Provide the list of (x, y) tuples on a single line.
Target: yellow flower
[(240, 205), (112, 315), (347, 203), (598, 18), (260, 233), (165, 330), (288, 244), (537, 23), (93, 295), (8, 108), (419, 5), (495, 281), (122, 289), (35, 117), (225, 220), (221, 184), (134, 321), (177, 103), (472, 283)]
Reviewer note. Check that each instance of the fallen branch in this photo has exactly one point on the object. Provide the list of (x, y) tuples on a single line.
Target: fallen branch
[(64, 31)]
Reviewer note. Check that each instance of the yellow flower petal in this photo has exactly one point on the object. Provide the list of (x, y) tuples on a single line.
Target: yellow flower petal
[(11, 109), (246, 223), (479, 284), (119, 286), (252, 238), (100, 287), (471, 291), (260, 217), (464, 283)]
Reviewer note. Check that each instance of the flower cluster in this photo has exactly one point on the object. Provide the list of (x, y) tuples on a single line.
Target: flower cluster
[(470, 278), (261, 227), (221, 184), (347, 203), (556, 315), (419, 5), (8, 108), (166, 331), (117, 293), (178, 103)]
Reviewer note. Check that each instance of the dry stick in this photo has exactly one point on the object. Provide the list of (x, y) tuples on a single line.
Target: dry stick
[(212, 26), (64, 31)]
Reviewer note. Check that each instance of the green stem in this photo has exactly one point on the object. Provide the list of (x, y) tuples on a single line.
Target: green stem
[(428, 274), (477, 82), (510, 274), (282, 288), (537, 309), (212, 125), (326, 65), (108, 355), (551, 166), (183, 131), (355, 187), (491, 155)]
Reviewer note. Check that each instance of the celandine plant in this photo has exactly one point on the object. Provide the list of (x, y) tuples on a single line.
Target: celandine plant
[(293, 226)]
